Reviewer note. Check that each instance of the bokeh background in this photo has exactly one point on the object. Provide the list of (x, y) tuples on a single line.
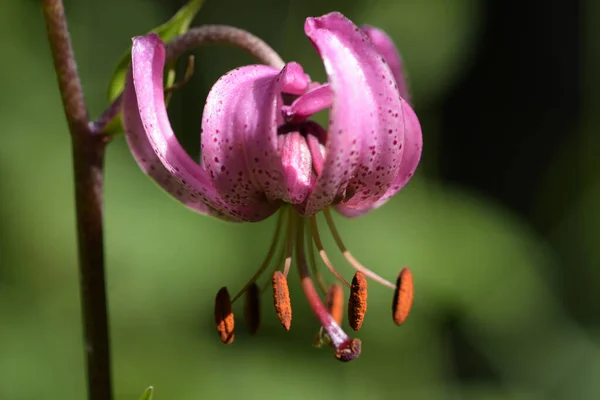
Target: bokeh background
[(500, 225)]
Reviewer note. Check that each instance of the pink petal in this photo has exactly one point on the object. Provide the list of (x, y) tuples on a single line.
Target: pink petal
[(385, 46), (318, 98), (296, 161), (239, 139), (366, 128), (147, 124), (413, 146), (150, 163)]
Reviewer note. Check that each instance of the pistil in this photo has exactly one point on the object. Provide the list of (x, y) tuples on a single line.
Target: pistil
[(347, 349)]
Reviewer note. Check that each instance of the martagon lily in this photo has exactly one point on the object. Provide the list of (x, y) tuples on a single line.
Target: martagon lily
[(260, 153)]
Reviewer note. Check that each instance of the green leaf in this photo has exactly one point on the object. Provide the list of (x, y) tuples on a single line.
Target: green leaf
[(176, 26), (148, 394)]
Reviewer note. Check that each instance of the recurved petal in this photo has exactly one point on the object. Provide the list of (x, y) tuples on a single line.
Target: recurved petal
[(386, 47), (413, 146), (149, 161), (366, 128), (147, 123), (239, 133)]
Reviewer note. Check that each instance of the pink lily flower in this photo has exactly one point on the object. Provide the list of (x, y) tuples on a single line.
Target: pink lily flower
[(261, 153)]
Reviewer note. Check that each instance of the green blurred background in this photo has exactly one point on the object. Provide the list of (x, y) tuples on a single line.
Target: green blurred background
[(499, 226)]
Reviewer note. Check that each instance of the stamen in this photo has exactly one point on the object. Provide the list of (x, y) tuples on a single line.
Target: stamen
[(290, 242), (346, 349), (357, 305), (267, 260), (313, 263), (281, 297), (224, 316), (317, 238), (403, 297), (335, 302), (252, 308), (349, 257)]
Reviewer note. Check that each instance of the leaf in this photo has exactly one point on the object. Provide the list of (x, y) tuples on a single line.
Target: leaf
[(148, 393), (176, 26)]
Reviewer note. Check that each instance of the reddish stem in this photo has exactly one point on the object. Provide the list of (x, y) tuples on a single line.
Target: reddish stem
[(88, 163)]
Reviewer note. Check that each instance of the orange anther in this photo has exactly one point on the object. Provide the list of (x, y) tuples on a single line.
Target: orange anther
[(403, 297), (335, 302), (357, 305), (281, 297), (224, 316)]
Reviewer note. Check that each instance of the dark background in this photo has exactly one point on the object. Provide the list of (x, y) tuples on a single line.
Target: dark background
[(499, 225)]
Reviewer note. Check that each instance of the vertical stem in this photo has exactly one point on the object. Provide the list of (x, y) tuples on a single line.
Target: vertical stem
[(65, 67), (88, 160)]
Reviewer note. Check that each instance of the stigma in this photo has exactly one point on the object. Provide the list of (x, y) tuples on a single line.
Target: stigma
[(297, 240)]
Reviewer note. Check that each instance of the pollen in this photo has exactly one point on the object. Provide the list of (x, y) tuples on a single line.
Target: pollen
[(224, 316), (403, 297), (335, 302), (357, 305), (281, 297), (252, 308)]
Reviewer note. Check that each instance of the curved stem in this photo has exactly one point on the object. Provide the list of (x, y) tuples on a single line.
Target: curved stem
[(88, 162), (107, 116), (224, 34), (196, 37)]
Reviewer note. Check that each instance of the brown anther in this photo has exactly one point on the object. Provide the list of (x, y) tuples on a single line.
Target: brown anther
[(252, 308), (349, 352), (357, 305), (224, 317), (281, 297), (403, 297), (335, 302)]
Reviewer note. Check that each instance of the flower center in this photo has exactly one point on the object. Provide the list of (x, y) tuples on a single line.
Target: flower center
[(302, 147), (298, 236)]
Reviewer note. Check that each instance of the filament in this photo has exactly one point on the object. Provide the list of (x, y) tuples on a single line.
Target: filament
[(267, 260), (313, 262), (349, 257), (289, 241), (337, 335), (317, 238)]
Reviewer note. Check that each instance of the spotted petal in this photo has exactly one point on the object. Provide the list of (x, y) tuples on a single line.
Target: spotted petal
[(366, 127), (413, 145), (149, 162), (147, 126), (386, 47), (239, 133)]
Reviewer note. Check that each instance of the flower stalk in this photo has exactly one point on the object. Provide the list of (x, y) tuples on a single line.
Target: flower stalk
[(88, 146)]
